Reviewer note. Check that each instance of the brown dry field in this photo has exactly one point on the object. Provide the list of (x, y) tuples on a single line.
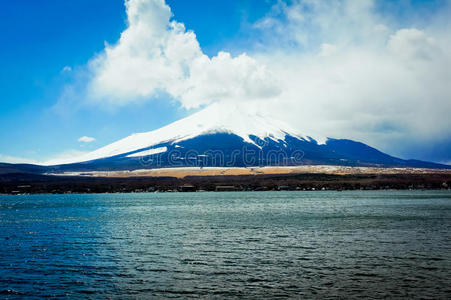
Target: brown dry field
[(208, 171)]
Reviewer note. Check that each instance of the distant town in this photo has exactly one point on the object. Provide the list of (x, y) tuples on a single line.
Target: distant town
[(43, 184)]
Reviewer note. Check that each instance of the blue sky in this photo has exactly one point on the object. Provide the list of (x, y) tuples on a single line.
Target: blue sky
[(47, 48)]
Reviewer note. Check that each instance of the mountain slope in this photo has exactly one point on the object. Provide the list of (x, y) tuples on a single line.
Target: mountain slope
[(223, 149), (211, 120), (214, 137)]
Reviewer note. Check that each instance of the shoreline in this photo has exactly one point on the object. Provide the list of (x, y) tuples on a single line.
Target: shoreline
[(236, 191), (303, 178)]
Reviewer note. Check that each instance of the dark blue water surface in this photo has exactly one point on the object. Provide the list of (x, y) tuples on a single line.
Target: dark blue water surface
[(252, 244)]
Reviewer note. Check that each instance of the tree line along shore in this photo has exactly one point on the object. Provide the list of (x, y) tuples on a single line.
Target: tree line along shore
[(44, 184)]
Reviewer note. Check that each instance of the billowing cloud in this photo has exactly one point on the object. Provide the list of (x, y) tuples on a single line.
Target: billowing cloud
[(86, 139), (334, 68), (413, 44), (350, 73), (156, 54)]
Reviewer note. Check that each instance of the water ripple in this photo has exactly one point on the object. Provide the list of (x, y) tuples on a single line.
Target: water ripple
[(370, 244)]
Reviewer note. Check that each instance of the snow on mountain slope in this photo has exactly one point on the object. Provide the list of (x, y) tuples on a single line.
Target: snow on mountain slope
[(149, 152), (213, 119)]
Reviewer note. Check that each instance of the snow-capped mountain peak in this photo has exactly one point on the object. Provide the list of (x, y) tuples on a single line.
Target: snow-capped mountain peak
[(216, 118)]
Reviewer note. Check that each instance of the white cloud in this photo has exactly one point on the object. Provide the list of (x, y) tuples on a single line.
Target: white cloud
[(66, 69), (86, 139), (59, 158), (349, 76), (155, 54), (63, 157), (16, 160), (413, 44)]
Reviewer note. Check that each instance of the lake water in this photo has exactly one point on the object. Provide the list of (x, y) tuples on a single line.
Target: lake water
[(322, 244)]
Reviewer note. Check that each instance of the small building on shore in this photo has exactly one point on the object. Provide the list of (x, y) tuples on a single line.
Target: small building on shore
[(225, 188), (187, 188)]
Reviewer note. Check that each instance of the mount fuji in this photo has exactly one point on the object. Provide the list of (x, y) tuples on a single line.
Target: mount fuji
[(215, 137), (218, 137)]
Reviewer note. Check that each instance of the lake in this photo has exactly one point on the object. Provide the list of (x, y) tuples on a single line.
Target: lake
[(322, 244)]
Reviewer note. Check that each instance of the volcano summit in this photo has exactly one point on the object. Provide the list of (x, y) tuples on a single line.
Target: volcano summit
[(214, 137)]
